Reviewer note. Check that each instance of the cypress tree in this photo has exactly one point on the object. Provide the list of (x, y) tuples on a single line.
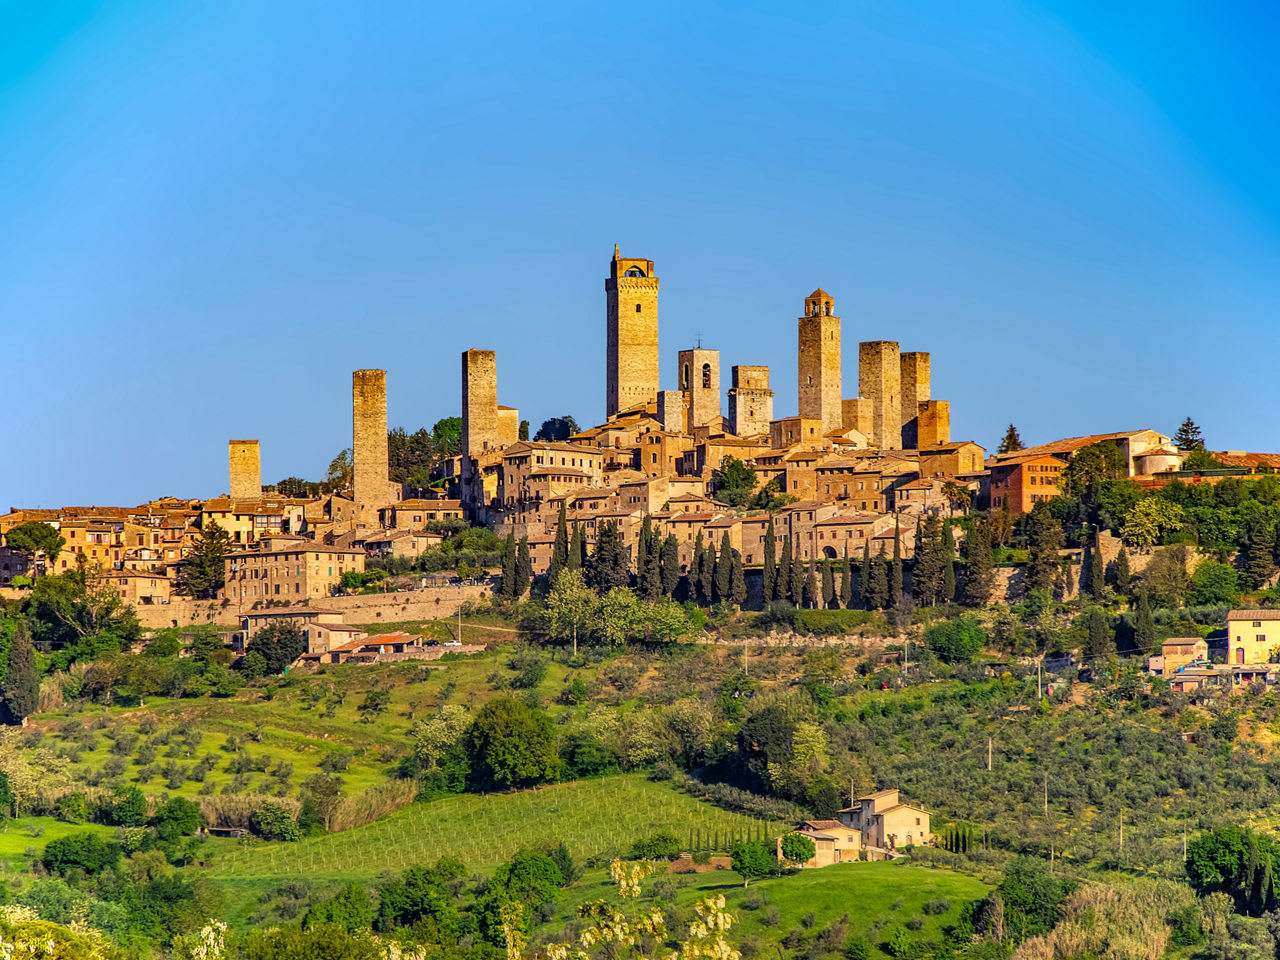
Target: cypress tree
[(948, 564), (1144, 628), (695, 569), (737, 580), (979, 574), (797, 577), (1122, 576), (524, 568), (707, 574), (828, 586), (1097, 578), (782, 583), (926, 569), (577, 548), (653, 571), (724, 568), (670, 564), (509, 552), (643, 548), (21, 681), (864, 577), (560, 550), (846, 584), (1097, 643), (878, 594), (770, 564), (810, 586), (1259, 551), (895, 579), (1068, 578)]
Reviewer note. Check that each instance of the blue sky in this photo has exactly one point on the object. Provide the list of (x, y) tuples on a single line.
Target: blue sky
[(212, 213)]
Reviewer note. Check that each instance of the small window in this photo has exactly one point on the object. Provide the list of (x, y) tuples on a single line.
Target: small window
[(637, 308)]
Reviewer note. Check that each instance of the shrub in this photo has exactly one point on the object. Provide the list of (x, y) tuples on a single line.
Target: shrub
[(273, 822), (658, 846), (83, 851), (958, 640)]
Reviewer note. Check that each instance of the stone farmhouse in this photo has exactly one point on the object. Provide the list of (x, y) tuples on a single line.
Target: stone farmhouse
[(873, 827)]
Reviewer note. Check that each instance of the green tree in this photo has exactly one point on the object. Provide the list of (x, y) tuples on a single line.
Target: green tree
[(737, 482), (895, 571), (797, 848), (204, 570), (828, 586), (751, 860), (846, 584), (737, 580), (127, 807), (1097, 573), (1123, 579), (958, 640), (979, 574), (1011, 443), (510, 555), (670, 564), (724, 568), (524, 430), (615, 616), (1189, 436), (21, 678), (1042, 561), (511, 745), (948, 564), (1258, 553), (569, 605), (927, 572), (609, 564), (878, 586), (811, 595), (556, 430), (1144, 627), (524, 568), (1097, 643), (706, 574), (560, 549), (279, 644), (34, 537), (338, 476), (1149, 520), (1214, 583), (1090, 467), (350, 910), (782, 583), (271, 821)]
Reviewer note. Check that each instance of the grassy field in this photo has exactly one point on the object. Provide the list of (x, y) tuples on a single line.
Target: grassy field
[(594, 817), (878, 898), (17, 837)]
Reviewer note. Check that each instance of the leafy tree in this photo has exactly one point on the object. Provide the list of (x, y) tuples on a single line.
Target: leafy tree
[(608, 568), (1090, 467), (511, 744), (1097, 644), (340, 472), (127, 807), (1011, 443), (204, 570), (524, 568), (35, 537), (1214, 583), (958, 640), (1042, 562), (1258, 554), (751, 860), (1149, 520), (615, 617), (1121, 575), (570, 603), (670, 564), (877, 592), (737, 482), (177, 817), (1202, 460), (273, 822), (510, 556), (1144, 627), (21, 679), (723, 574), (737, 580), (420, 898), (926, 575), (556, 430), (279, 644), (1189, 436), (350, 909), (1238, 862), (524, 430), (797, 848), (80, 851), (1032, 898)]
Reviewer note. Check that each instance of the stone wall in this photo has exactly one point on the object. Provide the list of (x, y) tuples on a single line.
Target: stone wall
[(750, 401), (880, 382), (933, 424), (245, 468)]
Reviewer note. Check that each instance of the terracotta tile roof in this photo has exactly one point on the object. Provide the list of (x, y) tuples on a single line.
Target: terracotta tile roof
[(1254, 615), (826, 825), (1237, 458), (286, 612), (1072, 444)]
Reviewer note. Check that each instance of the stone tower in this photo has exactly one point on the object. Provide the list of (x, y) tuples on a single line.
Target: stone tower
[(369, 439), (479, 401), (934, 423), (750, 401), (673, 411), (879, 381), (699, 374), (246, 469), (915, 391), (820, 361), (632, 307)]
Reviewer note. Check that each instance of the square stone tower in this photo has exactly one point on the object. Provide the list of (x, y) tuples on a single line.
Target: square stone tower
[(934, 423), (479, 401), (750, 401), (632, 311), (819, 351), (858, 416), (673, 411), (246, 469), (699, 373), (369, 439), (879, 373), (915, 391)]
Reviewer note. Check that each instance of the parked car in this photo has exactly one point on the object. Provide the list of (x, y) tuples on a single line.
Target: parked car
[(453, 643)]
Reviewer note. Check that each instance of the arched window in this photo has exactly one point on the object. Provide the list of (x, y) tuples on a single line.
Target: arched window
[(637, 308), (706, 376), (684, 377), (828, 309), (634, 272)]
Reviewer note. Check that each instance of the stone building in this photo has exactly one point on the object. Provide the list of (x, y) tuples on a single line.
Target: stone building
[(370, 484), (287, 568), (879, 381), (819, 361), (933, 424), (750, 401), (699, 373), (632, 316), (479, 402), (1019, 483), (245, 467)]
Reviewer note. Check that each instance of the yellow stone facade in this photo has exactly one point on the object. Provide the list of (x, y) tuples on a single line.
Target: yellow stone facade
[(699, 378), (933, 421), (819, 361), (914, 377), (479, 401), (879, 381), (245, 467), (371, 487), (750, 401), (632, 314)]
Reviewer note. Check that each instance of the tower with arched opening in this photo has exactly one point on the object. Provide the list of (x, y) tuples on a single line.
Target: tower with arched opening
[(819, 361), (632, 316)]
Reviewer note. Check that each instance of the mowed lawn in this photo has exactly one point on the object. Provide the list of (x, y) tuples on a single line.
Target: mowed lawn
[(32, 834), (593, 817), (878, 897)]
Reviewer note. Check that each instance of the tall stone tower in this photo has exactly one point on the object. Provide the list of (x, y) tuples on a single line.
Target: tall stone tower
[(245, 468), (750, 401), (820, 361), (369, 439), (879, 380), (632, 295), (479, 401), (934, 419), (915, 391), (699, 373)]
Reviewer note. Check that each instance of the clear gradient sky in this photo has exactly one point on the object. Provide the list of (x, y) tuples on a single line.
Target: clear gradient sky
[(211, 213)]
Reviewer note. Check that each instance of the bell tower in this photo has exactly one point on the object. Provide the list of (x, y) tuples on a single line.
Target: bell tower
[(632, 315), (819, 352)]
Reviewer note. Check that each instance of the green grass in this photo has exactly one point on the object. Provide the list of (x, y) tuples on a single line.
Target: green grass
[(594, 817), (17, 836), (878, 897)]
